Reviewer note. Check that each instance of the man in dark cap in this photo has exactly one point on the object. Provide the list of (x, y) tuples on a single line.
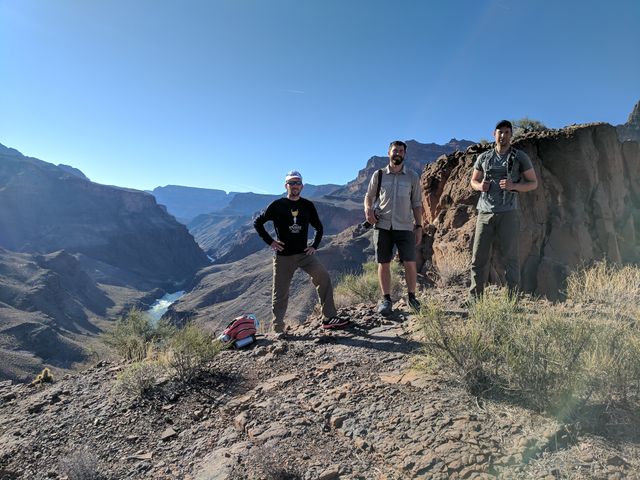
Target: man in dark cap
[(499, 174)]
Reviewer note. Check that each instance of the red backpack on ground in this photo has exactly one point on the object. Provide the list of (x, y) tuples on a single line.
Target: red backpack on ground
[(241, 331)]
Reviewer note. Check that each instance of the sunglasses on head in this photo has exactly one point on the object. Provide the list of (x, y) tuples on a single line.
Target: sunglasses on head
[(294, 182)]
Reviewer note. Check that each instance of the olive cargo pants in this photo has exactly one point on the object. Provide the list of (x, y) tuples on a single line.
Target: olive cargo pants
[(284, 266), (504, 226)]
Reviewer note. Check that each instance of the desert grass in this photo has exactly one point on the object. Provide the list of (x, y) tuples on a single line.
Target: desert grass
[(607, 285), (558, 359)]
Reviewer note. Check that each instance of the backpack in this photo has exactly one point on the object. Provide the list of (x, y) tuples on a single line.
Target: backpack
[(241, 331)]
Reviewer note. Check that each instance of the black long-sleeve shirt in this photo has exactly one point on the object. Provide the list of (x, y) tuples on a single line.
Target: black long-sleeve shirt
[(291, 219)]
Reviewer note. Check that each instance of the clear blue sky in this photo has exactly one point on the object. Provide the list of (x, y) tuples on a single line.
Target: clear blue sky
[(231, 94)]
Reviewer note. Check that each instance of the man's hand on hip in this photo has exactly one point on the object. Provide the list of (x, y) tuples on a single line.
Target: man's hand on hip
[(277, 246), (309, 250)]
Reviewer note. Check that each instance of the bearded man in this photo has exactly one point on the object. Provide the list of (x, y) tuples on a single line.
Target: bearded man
[(397, 221)]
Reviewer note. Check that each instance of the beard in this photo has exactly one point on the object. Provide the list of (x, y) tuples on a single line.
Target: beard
[(397, 159)]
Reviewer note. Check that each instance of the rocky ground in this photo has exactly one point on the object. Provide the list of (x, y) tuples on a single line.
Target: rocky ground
[(316, 405)]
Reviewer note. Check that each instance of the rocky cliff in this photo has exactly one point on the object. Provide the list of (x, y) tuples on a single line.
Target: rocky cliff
[(587, 205), (44, 209), (73, 254), (631, 129)]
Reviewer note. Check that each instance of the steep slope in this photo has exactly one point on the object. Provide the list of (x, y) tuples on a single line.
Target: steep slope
[(587, 206)]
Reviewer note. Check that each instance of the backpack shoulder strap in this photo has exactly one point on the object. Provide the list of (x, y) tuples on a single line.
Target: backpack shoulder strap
[(379, 184), (484, 159)]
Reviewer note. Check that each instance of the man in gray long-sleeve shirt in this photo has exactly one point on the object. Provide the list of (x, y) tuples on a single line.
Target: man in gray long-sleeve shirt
[(397, 221)]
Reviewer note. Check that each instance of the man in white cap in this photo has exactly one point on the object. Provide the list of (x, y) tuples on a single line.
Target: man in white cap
[(291, 217)]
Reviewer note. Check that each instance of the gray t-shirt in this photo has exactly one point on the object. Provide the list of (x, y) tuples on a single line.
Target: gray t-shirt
[(494, 168)]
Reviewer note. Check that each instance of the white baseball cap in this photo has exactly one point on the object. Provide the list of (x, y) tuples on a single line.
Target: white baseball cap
[(293, 174)]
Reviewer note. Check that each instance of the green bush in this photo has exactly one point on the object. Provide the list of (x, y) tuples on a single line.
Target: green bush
[(556, 360), (364, 287), (134, 337), (526, 124), (189, 352)]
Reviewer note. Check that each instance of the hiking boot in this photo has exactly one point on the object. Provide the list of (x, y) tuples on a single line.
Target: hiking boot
[(385, 308), (334, 323), (414, 304)]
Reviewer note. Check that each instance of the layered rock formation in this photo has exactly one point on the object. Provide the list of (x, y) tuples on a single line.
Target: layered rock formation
[(587, 205), (73, 253), (44, 209), (631, 129)]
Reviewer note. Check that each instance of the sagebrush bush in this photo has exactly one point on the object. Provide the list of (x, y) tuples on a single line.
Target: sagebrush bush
[(189, 352), (364, 287), (134, 336), (556, 360), (453, 266), (139, 378)]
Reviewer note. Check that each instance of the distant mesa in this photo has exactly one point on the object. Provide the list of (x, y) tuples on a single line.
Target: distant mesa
[(186, 203)]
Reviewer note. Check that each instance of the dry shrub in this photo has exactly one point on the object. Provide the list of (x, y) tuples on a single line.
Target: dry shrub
[(81, 465), (364, 287), (453, 266), (557, 360), (159, 351), (189, 352), (134, 336), (139, 378)]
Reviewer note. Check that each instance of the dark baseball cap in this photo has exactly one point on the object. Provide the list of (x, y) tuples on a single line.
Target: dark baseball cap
[(503, 123)]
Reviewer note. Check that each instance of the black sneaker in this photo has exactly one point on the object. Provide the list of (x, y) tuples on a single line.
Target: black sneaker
[(385, 308), (334, 323), (414, 304)]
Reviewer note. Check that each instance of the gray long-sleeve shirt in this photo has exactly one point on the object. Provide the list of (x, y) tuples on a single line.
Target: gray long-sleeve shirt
[(399, 195)]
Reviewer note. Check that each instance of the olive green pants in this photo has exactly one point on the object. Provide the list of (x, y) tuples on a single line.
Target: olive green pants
[(505, 227), (284, 266)]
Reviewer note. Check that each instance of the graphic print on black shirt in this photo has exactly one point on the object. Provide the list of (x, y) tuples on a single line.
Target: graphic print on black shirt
[(291, 220)]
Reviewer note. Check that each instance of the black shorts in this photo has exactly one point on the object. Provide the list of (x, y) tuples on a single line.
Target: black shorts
[(384, 241)]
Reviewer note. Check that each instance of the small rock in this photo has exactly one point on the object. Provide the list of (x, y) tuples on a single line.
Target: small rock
[(331, 473), (167, 434), (240, 422)]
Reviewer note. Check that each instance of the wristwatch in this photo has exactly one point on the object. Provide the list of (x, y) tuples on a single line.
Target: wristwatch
[(416, 226)]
